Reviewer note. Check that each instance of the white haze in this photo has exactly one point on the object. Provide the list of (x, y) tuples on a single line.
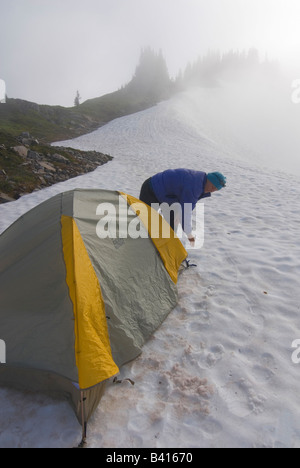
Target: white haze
[(51, 48), (254, 117)]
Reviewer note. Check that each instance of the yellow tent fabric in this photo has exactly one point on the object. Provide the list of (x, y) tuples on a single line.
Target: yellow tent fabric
[(169, 246), (92, 346)]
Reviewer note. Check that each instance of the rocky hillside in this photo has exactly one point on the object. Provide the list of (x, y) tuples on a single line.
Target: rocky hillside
[(149, 85), (27, 165)]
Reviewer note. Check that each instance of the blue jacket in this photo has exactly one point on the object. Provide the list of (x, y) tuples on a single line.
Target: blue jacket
[(180, 186)]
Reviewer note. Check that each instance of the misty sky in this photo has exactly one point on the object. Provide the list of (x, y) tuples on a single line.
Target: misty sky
[(51, 48)]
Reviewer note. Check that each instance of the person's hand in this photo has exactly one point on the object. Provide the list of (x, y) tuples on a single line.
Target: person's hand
[(192, 240)]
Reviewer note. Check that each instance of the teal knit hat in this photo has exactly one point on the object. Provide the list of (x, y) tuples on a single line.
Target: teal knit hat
[(217, 179)]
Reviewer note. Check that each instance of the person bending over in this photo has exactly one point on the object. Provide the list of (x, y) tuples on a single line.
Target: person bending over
[(184, 187)]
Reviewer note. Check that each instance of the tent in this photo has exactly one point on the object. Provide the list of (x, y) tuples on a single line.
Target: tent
[(85, 279)]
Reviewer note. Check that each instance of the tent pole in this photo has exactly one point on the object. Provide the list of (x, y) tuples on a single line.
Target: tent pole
[(83, 420)]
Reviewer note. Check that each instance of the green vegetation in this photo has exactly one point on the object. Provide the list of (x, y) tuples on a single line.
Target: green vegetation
[(149, 85), (15, 175), (18, 174)]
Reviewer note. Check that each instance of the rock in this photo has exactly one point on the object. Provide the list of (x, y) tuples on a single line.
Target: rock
[(21, 151), (26, 139), (59, 158), (25, 135), (48, 177), (29, 141), (47, 166), (5, 198), (43, 182), (33, 155)]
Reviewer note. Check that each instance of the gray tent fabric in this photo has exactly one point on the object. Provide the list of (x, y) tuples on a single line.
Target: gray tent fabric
[(55, 386), (137, 299), (36, 310), (36, 314)]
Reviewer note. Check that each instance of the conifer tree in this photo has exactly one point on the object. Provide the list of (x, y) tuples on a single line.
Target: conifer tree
[(77, 99)]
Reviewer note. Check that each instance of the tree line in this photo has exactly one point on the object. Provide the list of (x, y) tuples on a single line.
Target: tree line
[(151, 78)]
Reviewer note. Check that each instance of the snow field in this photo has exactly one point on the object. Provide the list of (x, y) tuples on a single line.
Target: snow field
[(218, 372)]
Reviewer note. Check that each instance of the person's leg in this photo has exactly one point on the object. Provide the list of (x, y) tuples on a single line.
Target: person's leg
[(169, 215), (147, 195)]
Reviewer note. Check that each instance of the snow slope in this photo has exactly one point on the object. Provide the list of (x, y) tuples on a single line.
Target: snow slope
[(219, 372)]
